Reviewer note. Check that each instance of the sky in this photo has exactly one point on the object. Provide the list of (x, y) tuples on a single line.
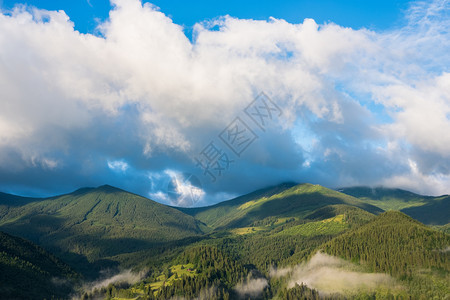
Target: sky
[(191, 103)]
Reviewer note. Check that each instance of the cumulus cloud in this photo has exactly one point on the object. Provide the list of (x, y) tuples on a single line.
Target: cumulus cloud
[(359, 106), (182, 189), (118, 165), (329, 274)]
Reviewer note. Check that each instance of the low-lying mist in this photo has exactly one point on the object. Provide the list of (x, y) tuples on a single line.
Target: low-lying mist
[(328, 274), (251, 287), (125, 277)]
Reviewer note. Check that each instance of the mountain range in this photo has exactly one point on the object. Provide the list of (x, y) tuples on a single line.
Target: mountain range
[(74, 237)]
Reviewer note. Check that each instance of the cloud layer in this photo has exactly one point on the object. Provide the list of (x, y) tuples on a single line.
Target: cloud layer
[(329, 275), (139, 101)]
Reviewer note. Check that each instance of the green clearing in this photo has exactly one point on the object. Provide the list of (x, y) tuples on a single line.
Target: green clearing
[(282, 202), (246, 230), (176, 272), (189, 251), (331, 226)]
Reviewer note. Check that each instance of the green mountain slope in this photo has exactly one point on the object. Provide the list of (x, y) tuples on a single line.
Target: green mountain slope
[(354, 216), (283, 226), (8, 202), (212, 215), (96, 223), (435, 212), (395, 243), (427, 209), (29, 272), (386, 198), (282, 201), (415, 255)]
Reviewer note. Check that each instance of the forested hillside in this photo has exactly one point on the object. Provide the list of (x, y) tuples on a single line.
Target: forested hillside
[(427, 209), (281, 201), (251, 247), (401, 246), (414, 255), (29, 272), (94, 224)]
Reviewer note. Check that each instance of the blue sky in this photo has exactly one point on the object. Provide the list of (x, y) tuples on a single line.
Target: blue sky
[(143, 96), (380, 15)]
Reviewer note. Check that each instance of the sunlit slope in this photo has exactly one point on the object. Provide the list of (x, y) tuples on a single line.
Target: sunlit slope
[(393, 242), (386, 198), (281, 201), (401, 246), (435, 212), (353, 215), (427, 209), (97, 223), (8, 202), (29, 272)]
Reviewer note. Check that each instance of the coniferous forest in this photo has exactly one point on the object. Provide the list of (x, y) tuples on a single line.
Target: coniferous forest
[(285, 242), (224, 150)]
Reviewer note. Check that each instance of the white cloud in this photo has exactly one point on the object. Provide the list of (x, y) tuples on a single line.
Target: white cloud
[(64, 95), (416, 181), (118, 165)]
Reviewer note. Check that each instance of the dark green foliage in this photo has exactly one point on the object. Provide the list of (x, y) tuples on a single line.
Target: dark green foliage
[(239, 239), (212, 215), (436, 211), (29, 272), (93, 224), (428, 210), (396, 244), (393, 243), (264, 251), (381, 193), (217, 274), (282, 201), (354, 216), (301, 292)]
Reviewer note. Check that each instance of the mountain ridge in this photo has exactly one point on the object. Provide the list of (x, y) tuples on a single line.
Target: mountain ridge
[(29, 272), (97, 223), (284, 199), (94, 229), (431, 210)]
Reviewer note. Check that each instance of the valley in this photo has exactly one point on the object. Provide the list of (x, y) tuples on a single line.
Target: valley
[(263, 245)]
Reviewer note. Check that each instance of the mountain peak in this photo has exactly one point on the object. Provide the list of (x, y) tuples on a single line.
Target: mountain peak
[(396, 217), (106, 188), (109, 188)]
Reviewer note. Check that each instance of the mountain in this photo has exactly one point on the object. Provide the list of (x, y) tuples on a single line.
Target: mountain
[(9, 202), (241, 266), (427, 209), (396, 244), (435, 211), (354, 216), (283, 201), (229, 249), (29, 272), (393, 237), (95, 223)]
